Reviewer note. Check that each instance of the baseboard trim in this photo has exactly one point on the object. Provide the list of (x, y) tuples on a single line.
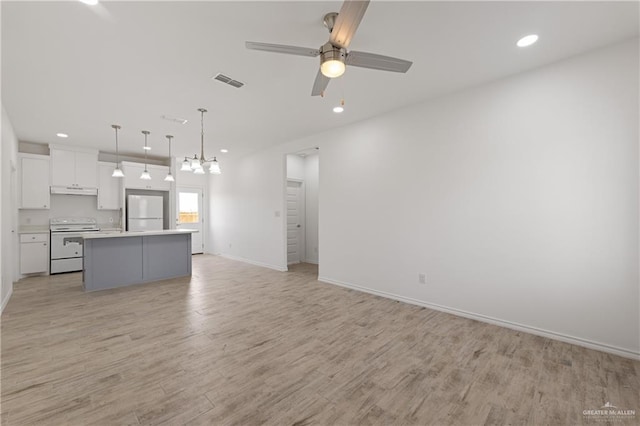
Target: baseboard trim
[(490, 320), (5, 301), (253, 262), (313, 262)]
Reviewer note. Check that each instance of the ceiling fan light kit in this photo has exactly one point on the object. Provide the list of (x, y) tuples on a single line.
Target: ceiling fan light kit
[(334, 56), (332, 61)]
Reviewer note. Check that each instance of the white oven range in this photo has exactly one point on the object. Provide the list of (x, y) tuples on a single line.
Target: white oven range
[(67, 242)]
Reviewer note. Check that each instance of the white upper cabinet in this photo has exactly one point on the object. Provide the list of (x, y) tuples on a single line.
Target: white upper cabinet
[(108, 187), (34, 181), (63, 167), (132, 172), (86, 166), (73, 168)]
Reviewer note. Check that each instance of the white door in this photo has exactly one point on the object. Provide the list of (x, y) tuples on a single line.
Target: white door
[(295, 222), (189, 215)]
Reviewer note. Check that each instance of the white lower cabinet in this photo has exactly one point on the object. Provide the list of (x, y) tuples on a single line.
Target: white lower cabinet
[(34, 253)]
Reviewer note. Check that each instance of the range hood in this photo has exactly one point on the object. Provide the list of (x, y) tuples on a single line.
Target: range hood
[(73, 190)]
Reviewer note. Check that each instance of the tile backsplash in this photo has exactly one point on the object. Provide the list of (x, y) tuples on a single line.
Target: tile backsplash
[(69, 206)]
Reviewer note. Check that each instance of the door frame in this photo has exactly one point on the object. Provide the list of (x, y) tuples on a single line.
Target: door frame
[(302, 216), (283, 217), (202, 210)]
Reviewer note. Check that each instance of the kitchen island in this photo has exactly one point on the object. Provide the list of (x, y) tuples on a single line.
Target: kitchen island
[(118, 259)]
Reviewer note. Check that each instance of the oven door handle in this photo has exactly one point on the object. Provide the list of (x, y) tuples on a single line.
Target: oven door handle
[(72, 240)]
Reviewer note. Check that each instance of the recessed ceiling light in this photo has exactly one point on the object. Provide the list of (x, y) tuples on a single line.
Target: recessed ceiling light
[(62, 135), (338, 109), (90, 2), (224, 150), (147, 148), (527, 40)]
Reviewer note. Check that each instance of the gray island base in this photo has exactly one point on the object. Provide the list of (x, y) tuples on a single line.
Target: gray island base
[(124, 258)]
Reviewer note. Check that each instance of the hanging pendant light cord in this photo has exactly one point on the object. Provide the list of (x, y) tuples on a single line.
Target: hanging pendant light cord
[(117, 156), (145, 132), (202, 157)]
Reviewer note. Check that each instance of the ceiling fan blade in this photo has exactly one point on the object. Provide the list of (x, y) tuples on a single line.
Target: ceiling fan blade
[(377, 62), (347, 22), (320, 84), (282, 48)]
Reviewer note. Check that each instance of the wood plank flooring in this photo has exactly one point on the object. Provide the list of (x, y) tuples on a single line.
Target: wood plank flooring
[(240, 344)]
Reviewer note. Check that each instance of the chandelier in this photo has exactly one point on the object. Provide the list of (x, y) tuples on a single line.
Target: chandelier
[(197, 164)]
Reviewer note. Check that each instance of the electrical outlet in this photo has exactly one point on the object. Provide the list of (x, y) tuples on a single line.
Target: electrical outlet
[(110, 220), (422, 278)]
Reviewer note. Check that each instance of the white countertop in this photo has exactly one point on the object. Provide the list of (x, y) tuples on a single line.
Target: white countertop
[(106, 228), (44, 229), (121, 234), (33, 229)]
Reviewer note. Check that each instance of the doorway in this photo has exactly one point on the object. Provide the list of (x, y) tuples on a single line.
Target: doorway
[(189, 215), (301, 198), (295, 222)]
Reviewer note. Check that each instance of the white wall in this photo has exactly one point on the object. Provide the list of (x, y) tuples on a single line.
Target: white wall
[(295, 167), (517, 199), (70, 206), (246, 206), (8, 209)]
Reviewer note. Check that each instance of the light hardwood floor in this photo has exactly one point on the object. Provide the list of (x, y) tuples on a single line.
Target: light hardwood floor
[(240, 344)]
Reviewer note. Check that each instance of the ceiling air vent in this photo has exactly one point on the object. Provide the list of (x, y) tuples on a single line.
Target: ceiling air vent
[(228, 80), (174, 119)]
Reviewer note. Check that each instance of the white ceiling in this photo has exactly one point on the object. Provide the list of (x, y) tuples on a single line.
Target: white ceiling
[(72, 68)]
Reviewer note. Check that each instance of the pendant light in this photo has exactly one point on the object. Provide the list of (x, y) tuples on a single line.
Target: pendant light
[(117, 172), (214, 168), (186, 165), (169, 177), (197, 164), (145, 175)]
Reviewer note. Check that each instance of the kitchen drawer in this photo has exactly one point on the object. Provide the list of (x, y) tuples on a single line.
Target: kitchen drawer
[(34, 238), (66, 265)]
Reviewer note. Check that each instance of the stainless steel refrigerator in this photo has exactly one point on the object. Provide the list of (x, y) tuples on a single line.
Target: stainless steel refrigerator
[(145, 213)]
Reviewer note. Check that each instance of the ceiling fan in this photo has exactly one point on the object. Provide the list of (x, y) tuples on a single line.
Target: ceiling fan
[(334, 56)]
